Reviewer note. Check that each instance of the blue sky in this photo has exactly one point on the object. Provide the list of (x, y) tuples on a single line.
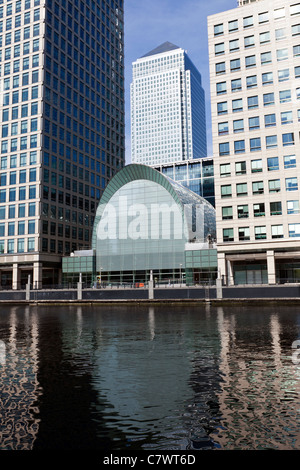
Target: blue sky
[(149, 23)]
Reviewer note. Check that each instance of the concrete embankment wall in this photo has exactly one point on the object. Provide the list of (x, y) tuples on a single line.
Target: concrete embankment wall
[(235, 293)]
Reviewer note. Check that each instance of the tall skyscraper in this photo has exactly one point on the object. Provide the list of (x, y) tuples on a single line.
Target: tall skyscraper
[(62, 128), (254, 55), (167, 108)]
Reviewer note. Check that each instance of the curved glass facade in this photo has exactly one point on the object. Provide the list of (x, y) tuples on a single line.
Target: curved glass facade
[(144, 221)]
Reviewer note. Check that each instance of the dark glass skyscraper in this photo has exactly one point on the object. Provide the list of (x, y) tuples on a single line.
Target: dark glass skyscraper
[(62, 128)]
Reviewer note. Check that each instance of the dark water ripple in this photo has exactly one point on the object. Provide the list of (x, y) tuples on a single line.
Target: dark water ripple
[(169, 378)]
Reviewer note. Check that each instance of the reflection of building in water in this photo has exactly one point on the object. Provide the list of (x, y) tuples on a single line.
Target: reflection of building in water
[(259, 386), (19, 389)]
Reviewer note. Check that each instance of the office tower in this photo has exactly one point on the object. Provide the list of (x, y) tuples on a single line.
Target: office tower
[(167, 108), (254, 53), (62, 129)]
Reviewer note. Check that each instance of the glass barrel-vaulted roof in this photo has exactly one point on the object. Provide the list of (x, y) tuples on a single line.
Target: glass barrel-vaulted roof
[(144, 219)]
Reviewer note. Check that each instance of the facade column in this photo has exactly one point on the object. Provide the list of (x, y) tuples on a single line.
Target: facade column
[(37, 275), (222, 272), (16, 277), (271, 267), (230, 273)]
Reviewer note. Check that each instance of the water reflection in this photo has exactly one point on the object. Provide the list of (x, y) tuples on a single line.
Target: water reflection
[(163, 377)]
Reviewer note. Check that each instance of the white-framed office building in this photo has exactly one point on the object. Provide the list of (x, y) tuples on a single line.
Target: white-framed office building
[(168, 121), (254, 54), (62, 129)]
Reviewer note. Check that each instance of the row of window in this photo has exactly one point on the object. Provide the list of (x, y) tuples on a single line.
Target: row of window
[(22, 245), (268, 99), (19, 143), (262, 18), (63, 231), (249, 41), (251, 61), (18, 177), (251, 81), (258, 210), (17, 6), (274, 186), (17, 228), (14, 161), (255, 145), (238, 125), (20, 211), (58, 196), (260, 232), (21, 193), (272, 164)]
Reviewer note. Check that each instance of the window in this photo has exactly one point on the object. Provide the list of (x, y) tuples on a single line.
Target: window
[(223, 128), (233, 26), (266, 58), (222, 108), (240, 168), (227, 213), (252, 102), (259, 210), (257, 187), (255, 144), (271, 141), (289, 161), (282, 54), (268, 99), (221, 88), (219, 48), (218, 29), (243, 211), (236, 85), (273, 163), (283, 75), (291, 184), (220, 68), (286, 117), (251, 81), (294, 230), (295, 29), (275, 208), (239, 146), (274, 186), (249, 41), (248, 22), (264, 37), (288, 139), (224, 148), (270, 120), (250, 61), (267, 78), (226, 191), (241, 189), (293, 207), (295, 9), (277, 231), (285, 96), (228, 235), (225, 170), (260, 233), (297, 72), (237, 105), (254, 123), (296, 50), (238, 126), (263, 17), (244, 233), (279, 13), (280, 34), (234, 45), (235, 64)]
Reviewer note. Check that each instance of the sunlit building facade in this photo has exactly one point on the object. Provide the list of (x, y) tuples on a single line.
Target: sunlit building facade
[(254, 53), (62, 129)]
